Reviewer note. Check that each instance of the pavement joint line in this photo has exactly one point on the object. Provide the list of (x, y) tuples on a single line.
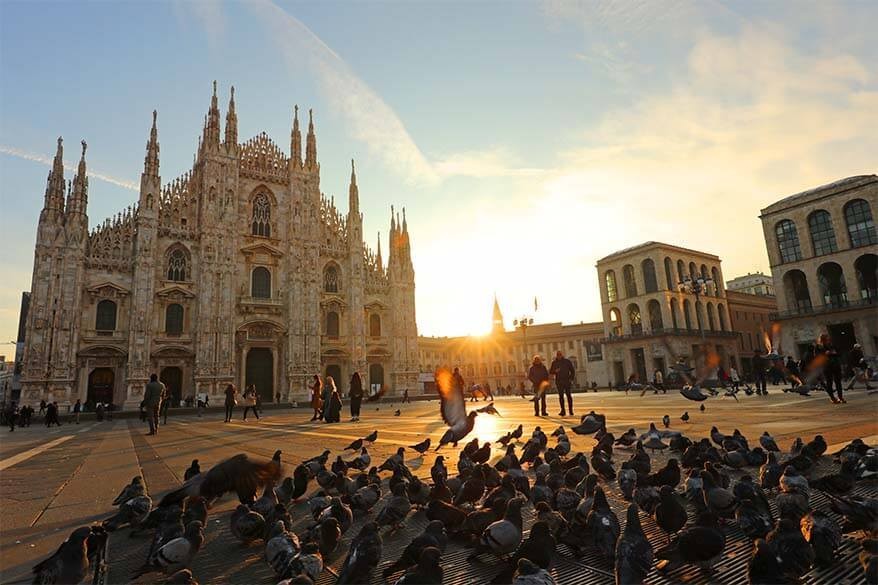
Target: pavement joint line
[(16, 459), (58, 492), (316, 434)]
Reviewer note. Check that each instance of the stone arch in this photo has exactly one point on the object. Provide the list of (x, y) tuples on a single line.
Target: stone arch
[(262, 204), (174, 319), (650, 281), (375, 325), (721, 311), (687, 314), (669, 274), (332, 324), (711, 317), (260, 283), (675, 310), (795, 285), (615, 322), (105, 315), (610, 286), (635, 319), (833, 290), (629, 281), (717, 281), (866, 267), (178, 262)]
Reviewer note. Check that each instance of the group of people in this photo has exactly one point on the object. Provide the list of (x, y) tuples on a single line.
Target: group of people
[(326, 399), (12, 415), (251, 398), (562, 370)]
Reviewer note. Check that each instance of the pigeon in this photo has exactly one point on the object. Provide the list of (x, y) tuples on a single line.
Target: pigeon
[(517, 432), (327, 535), (247, 525), (603, 525), (752, 519), (627, 438), (280, 547), (859, 513), (647, 498), (482, 454), (602, 466), (718, 500), (700, 544), (182, 577), (627, 481), (702, 408), (685, 417), (793, 481), (132, 490), (365, 498), (307, 565), (395, 509), (770, 472), (823, 534), (837, 483), (363, 556), (794, 552), (670, 514), (318, 503), (472, 489), (176, 554), (668, 475), (590, 424), (422, 447), (194, 508), (340, 511), (238, 474), (355, 445), (453, 409), (764, 567), (450, 515), (362, 461), (527, 573), (433, 536), (69, 564), (315, 464), (293, 488), (489, 409), (132, 511), (634, 553), (479, 519), (539, 548), (193, 470), (666, 421), (427, 571), (796, 447), (693, 393), (815, 448), (266, 503), (503, 536), (371, 437), (768, 443), (398, 412)]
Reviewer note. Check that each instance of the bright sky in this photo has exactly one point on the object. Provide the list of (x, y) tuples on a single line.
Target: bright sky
[(525, 139)]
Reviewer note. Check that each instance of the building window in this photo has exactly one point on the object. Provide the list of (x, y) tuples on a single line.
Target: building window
[(498, 369), (261, 216), (669, 274), (629, 280), (510, 367), (593, 352), (866, 267), (374, 325), (615, 323), (330, 279), (722, 317), (177, 265), (822, 234), (332, 324), (711, 320), (717, 281), (655, 315), (687, 313), (681, 273), (832, 286), (796, 288), (610, 278), (787, 241), (650, 283), (105, 319), (675, 319), (174, 319), (861, 227), (634, 318), (260, 283)]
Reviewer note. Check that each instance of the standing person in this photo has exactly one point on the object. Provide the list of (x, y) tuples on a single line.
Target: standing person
[(316, 397), (658, 380), (794, 374), (488, 393), (734, 378), (42, 407), (759, 367), (77, 408), (457, 381), (356, 395), (152, 398), (831, 369), (27, 415), (332, 409), (405, 396), (231, 401), (564, 373), (539, 378), (166, 404), (250, 401), (11, 413), (277, 398), (858, 366)]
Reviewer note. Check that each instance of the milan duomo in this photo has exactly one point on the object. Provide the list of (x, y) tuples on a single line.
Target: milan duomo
[(240, 271)]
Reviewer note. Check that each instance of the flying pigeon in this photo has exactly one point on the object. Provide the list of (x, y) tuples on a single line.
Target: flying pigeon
[(239, 474)]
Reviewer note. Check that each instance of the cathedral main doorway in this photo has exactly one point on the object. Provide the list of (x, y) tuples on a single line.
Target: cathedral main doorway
[(334, 370), (172, 378), (100, 386), (260, 371)]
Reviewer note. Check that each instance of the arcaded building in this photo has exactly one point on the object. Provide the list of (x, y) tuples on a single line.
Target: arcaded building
[(651, 321), (240, 271), (823, 250)]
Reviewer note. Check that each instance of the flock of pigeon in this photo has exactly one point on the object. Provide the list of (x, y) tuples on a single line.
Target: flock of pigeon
[(484, 504)]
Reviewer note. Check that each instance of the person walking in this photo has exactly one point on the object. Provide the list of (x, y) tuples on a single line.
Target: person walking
[(26, 413), (42, 407), (166, 405), (356, 395), (231, 401), (77, 409), (316, 397), (564, 372), (759, 367), (858, 366), (457, 381), (488, 393), (152, 398), (831, 369), (734, 378), (332, 410), (11, 414), (539, 379), (250, 401)]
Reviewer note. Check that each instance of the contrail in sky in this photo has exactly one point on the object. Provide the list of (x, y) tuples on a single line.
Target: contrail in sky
[(45, 160)]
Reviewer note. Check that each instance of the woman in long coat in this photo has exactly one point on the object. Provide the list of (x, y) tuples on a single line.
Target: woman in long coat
[(356, 394), (316, 399), (332, 411)]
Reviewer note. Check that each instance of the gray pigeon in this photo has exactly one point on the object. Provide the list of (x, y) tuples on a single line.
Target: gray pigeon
[(503, 536), (395, 509), (266, 503), (823, 534), (634, 554), (176, 554), (133, 489), (246, 524), (281, 547), (69, 564), (363, 556), (308, 563), (132, 511), (529, 573), (603, 525), (794, 552), (341, 512), (768, 443)]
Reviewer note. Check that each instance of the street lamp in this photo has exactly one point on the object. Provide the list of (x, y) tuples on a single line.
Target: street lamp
[(697, 286), (523, 323)]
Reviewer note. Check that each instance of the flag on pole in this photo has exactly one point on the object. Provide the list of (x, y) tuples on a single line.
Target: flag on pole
[(536, 305)]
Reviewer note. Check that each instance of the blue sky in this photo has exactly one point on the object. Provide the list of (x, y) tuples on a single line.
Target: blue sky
[(526, 139)]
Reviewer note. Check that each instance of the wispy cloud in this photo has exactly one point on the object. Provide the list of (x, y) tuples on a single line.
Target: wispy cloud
[(48, 161)]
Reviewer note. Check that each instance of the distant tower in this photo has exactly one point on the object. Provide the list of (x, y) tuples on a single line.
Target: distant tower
[(497, 318)]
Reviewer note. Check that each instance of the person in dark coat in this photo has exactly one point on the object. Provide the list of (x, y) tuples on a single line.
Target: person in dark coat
[(152, 401), (539, 378), (11, 414), (231, 400), (332, 410), (77, 408), (317, 397), (356, 395), (760, 365), (859, 367), (564, 373), (457, 381), (831, 368), (42, 407)]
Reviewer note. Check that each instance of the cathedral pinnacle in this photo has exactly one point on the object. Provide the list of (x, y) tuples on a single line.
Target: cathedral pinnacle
[(151, 162), (77, 200), (353, 192), (311, 145), (378, 255), (296, 140), (55, 184), (212, 123), (231, 135)]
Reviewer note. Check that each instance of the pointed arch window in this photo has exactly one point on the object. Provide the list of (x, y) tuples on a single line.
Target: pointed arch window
[(635, 319), (177, 265), (105, 318), (174, 319), (331, 279), (261, 283), (261, 216)]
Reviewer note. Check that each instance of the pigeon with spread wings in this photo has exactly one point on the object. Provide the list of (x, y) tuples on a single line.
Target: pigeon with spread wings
[(453, 409)]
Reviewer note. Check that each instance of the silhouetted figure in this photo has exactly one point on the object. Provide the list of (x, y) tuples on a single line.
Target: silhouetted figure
[(356, 395), (564, 373), (152, 401), (231, 400)]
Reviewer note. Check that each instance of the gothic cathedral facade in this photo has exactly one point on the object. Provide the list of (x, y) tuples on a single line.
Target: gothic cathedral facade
[(238, 272)]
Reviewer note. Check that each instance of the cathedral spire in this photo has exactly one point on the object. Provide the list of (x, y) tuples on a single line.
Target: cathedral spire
[(151, 161), (55, 183), (231, 136), (311, 145), (77, 200), (392, 226), (296, 140), (378, 255), (212, 122), (496, 317), (353, 192), (405, 226)]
